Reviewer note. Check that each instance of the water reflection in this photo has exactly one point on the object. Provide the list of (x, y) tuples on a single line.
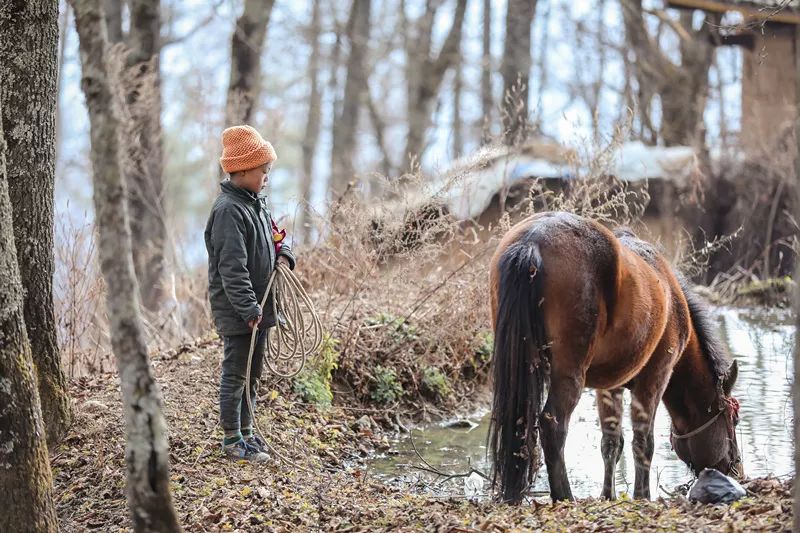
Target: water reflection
[(762, 342)]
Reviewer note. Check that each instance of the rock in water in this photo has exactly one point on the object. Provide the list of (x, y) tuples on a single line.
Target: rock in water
[(461, 424), (712, 486)]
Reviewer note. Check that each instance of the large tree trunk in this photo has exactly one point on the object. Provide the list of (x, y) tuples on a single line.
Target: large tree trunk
[(247, 44), (143, 159), (516, 68), (26, 484), (355, 87), (147, 454), (487, 100), (29, 87), (682, 88), (425, 75), (313, 122)]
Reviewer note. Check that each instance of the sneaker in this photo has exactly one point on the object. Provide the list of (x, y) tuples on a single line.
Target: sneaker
[(257, 443), (242, 451)]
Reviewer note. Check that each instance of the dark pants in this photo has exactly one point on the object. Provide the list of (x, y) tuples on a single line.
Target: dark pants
[(233, 410)]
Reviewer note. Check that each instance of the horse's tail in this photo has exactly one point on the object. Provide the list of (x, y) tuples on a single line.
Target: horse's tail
[(520, 368)]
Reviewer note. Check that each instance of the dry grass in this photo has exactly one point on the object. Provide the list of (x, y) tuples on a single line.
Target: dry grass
[(78, 288)]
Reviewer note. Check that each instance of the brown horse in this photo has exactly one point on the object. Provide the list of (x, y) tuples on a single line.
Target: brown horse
[(575, 305)]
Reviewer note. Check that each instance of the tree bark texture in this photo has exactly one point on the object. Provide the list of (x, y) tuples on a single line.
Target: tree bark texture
[(796, 383), (247, 44), (313, 123), (682, 88), (138, 88), (113, 11), (425, 74), (147, 454), (515, 69), (26, 484), (29, 87), (355, 87)]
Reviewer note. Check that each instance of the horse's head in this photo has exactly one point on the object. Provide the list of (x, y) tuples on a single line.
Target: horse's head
[(711, 442)]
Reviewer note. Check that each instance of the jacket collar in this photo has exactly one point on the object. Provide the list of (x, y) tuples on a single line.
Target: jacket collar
[(228, 187)]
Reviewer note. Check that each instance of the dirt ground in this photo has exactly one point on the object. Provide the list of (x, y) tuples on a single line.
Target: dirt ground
[(327, 488)]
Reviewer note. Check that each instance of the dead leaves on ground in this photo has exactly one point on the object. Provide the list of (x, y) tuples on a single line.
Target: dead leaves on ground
[(333, 491)]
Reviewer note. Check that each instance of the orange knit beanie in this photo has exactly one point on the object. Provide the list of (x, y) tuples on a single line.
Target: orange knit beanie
[(243, 148)]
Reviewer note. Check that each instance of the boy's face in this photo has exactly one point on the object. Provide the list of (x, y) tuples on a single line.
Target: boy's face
[(253, 180)]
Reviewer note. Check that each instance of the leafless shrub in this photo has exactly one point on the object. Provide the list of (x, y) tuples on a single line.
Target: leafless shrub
[(81, 326)]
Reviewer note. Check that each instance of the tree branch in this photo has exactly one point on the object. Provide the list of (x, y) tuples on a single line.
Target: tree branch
[(451, 45)]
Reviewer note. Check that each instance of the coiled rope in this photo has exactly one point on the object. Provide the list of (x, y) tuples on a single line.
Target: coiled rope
[(296, 336)]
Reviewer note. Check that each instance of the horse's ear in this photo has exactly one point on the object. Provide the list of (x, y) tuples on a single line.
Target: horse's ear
[(729, 379)]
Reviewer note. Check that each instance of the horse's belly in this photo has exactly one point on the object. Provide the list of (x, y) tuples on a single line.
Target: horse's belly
[(616, 363)]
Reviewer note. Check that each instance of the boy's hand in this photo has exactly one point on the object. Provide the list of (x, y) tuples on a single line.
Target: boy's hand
[(253, 323), (283, 261)]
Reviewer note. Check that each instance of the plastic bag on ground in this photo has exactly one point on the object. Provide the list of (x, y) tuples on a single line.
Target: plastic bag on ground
[(712, 486)]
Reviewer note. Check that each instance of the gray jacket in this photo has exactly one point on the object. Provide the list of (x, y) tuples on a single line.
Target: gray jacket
[(241, 258)]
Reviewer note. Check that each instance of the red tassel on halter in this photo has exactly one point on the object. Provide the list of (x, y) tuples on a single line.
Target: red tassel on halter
[(732, 405)]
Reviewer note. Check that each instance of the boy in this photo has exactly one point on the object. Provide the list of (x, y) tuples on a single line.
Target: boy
[(242, 254)]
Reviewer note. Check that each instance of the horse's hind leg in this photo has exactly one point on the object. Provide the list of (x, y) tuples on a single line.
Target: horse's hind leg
[(564, 394), (609, 407)]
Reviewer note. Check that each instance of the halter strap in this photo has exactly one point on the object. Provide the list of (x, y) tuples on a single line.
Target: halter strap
[(695, 431), (731, 407)]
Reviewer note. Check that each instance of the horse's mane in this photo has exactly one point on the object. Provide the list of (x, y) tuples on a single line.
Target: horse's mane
[(715, 352)]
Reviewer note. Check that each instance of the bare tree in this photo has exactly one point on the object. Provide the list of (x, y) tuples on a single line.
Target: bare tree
[(355, 87), (425, 72), (247, 44), (682, 88), (139, 93), (313, 122), (29, 85), (516, 68), (377, 92), (26, 484), (590, 64), (147, 454), (487, 99), (146, 166), (458, 88)]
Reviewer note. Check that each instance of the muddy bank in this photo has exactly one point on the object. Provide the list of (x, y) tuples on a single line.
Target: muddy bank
[(328, 486)]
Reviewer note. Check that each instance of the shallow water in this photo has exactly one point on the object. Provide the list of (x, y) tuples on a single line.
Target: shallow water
[(762, 342)]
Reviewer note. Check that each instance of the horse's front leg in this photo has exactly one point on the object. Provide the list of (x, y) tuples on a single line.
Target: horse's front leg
[(553, 423), (646, 394), (609, 408), (643, 411)]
